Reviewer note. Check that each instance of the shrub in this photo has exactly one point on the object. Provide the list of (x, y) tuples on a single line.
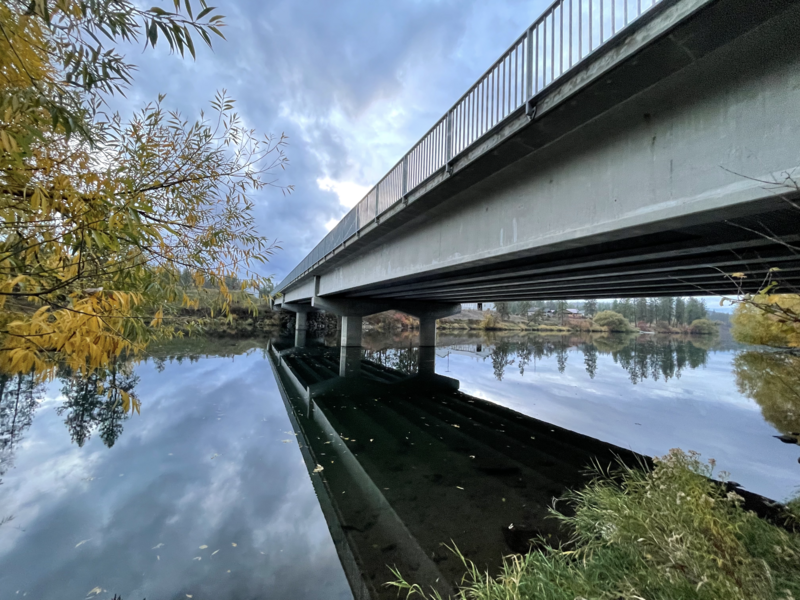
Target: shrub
[(612, 321), (703, 327), (661, 534)]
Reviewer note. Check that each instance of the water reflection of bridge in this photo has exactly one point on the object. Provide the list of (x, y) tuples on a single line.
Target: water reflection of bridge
[(409, 462)]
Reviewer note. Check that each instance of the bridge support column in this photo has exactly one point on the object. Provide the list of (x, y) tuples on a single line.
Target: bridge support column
[(349, 361), (427, 360), (351, 331), (300, 337), (427, 331), (301, 321)]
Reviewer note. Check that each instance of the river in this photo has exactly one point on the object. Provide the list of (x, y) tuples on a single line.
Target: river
[(262, 469)]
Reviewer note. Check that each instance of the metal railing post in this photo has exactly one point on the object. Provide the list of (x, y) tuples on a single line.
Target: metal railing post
[(405, 175), (529, 70), (448, 153), (377, 194)]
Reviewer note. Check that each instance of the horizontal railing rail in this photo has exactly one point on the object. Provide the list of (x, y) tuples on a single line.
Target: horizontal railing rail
[(563, 36)]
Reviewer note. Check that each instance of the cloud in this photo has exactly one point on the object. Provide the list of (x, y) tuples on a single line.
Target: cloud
[(354, 85)]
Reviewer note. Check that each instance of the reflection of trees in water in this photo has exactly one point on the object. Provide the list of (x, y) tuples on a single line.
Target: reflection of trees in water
[(19, 397), (657, 358), (94, 402), (502, 356), (506, 353), (772, 379), (643, 358), (405, 360), (590, 359)]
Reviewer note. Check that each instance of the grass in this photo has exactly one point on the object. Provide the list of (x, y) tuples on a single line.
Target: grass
[(662, 534)]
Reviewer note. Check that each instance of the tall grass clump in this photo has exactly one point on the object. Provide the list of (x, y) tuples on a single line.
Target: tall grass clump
[(664, 533)]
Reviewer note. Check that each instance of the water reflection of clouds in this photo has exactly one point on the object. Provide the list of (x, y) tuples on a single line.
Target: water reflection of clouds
[(255, 493), (702, 410)]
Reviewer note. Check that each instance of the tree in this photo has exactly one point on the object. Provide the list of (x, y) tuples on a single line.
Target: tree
[(666, 309), (612, 321), (103, 216), (680, 311), (590, 308), (503, 309), (561, 310), (641, 309), (695, 309), (537, 316), (703, 327), (756, 324)]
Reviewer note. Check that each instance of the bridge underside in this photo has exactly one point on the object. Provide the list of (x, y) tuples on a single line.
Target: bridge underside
[(659, 172), (689, 260)]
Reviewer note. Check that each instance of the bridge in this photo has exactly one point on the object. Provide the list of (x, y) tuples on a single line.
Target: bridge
[(617, 148)]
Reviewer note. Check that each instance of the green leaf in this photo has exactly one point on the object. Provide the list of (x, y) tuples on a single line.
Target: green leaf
[(189, 43), (152, 33)]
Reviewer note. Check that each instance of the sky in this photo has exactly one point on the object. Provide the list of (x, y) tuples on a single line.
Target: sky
[(354, 85)]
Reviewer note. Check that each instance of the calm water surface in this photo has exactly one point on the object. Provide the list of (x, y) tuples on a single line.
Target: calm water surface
[(265, 470)]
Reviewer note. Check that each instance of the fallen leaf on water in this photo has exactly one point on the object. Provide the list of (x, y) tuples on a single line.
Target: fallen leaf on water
[(472, 456), (459, 487), (327, 442), (156, 547), (233, 544), (214, 552), (158, 557), (318, 469), (457, 426), (215, 456), (203, 547), (96, 591), (82, 542), (287, 441), (229, 570), (188, 595), (370, 439), (198, 558), (262, 553)]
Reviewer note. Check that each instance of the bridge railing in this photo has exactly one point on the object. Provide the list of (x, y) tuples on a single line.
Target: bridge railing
[(563, 36)]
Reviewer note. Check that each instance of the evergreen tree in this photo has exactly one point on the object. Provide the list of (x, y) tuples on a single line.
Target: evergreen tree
[(641, 309), (680, 311), (561, 309), (695, 309), (666, 309)]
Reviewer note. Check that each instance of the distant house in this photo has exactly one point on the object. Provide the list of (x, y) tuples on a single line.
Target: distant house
[(570, 313)]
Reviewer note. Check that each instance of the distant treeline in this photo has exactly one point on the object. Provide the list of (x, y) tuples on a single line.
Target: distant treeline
[(670, 310)]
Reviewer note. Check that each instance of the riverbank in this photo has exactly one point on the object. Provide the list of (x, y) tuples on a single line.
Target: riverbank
[(661, 533)]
